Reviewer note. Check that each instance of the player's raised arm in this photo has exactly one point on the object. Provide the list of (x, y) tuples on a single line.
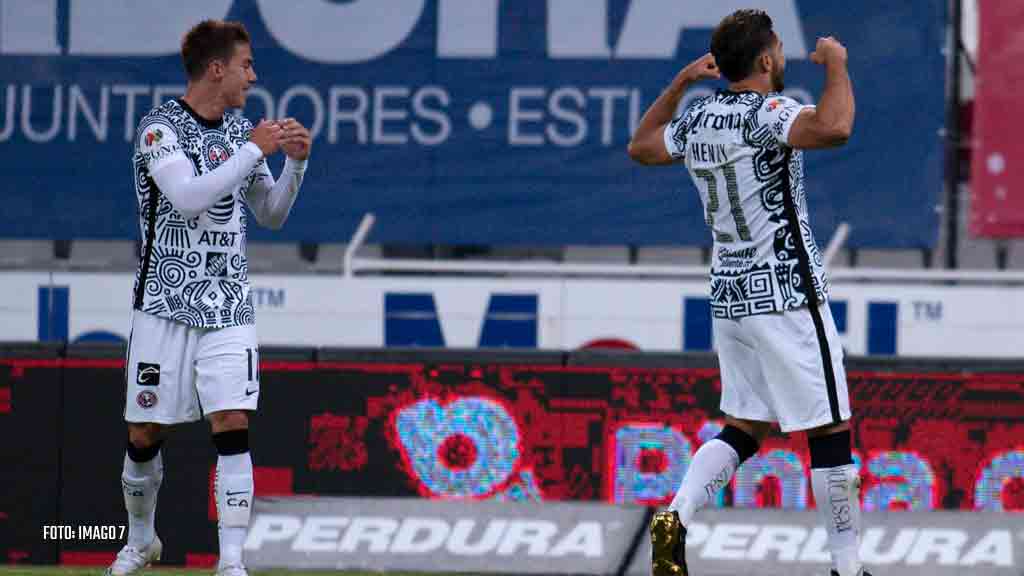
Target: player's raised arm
[(271, 201), (192, 195), (831, 122), (648, 143)]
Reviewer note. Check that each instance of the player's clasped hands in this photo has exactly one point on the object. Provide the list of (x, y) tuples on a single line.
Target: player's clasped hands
[(287, 134), (294, 139), (266, 135)]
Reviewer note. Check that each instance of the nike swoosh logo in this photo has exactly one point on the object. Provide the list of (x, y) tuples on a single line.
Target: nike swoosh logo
[(251, 392), (230, 493)]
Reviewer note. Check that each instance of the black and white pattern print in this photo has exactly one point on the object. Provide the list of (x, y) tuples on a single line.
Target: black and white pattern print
[(733, 146), (192, 271)]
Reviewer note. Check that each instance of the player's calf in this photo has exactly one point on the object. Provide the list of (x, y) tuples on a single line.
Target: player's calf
[(710, 470), (836, 486), (141, 478), (234, 490)]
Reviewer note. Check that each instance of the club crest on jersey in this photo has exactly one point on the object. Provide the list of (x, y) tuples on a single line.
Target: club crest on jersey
[(146, 399), (216, 152), (154, 136), (217, 155), (774, 104)]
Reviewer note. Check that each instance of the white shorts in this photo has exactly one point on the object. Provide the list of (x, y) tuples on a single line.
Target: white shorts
[(774, 368), (176, 373)]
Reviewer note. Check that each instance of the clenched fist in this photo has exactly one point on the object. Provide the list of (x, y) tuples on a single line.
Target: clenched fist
[(703, 68), (828, 51)]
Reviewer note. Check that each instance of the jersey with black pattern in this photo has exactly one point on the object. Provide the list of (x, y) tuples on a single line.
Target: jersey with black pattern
[(735, 147), (192, 271)]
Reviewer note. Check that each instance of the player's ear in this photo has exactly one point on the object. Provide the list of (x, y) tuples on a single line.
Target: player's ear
[(765, 62), (216, 69)]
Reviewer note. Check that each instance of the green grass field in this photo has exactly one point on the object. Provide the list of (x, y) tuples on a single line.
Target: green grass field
[(62, 571)]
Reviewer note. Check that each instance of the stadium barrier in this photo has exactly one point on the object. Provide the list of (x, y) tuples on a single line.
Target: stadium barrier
[(793, 543), (472, 304), (575, 538), (503, 426), (426, 536)]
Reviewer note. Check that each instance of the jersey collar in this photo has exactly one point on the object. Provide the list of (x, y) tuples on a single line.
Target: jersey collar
[(204, 122)]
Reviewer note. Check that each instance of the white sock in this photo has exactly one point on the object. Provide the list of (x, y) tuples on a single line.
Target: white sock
[(140, 482), (710, 470), (837, 494), (234, 488)]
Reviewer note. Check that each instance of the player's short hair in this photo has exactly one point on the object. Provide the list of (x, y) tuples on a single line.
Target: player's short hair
[(210, 40), (739, 40)]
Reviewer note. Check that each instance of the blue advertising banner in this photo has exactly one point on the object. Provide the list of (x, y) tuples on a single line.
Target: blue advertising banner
[(462, 121)]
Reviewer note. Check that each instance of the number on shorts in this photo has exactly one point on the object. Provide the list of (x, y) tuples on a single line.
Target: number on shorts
[(733, 190), (253, 355)]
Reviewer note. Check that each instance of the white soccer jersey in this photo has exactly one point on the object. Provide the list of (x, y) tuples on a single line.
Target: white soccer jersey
[(193, 271), (751, 184)]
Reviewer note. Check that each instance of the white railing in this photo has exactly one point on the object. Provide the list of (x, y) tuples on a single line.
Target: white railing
[(355, 266), (357, 240), (487, 268)]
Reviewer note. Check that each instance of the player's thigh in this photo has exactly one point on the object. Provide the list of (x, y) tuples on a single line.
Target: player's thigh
[(159, 376), (743, 387), (802, 361), (227, 369)]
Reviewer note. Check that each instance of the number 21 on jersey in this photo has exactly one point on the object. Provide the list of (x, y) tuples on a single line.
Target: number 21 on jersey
[(713, 180)]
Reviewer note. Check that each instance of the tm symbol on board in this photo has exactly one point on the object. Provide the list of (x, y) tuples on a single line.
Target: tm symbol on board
[(930, 311)]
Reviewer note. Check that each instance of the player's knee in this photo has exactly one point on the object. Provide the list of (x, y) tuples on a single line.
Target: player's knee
[(830, 450), (741, 441), (231, 442), (145, 436), (759, 430), (829, 429), (228, 420)]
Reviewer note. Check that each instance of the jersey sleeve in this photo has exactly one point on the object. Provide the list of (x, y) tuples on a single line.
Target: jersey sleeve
[(675, 137), (271, 201), (779, 113), (158, 143)]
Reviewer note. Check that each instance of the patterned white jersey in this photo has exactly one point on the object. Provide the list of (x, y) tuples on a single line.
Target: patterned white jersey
[(192, 271), (751, 184)]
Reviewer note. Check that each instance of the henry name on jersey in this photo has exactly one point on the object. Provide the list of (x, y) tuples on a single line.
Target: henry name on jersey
[(709, 153), (193, 270), (751, 186)]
